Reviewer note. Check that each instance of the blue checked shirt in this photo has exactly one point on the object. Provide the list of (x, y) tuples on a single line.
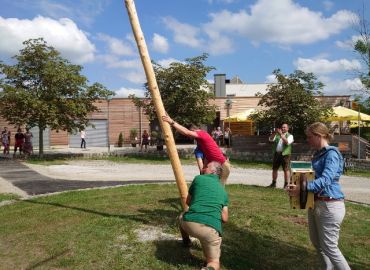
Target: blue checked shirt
[(328, 166)]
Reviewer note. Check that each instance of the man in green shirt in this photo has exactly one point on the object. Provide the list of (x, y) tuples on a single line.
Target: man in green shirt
[(208, 208), (282, 150)]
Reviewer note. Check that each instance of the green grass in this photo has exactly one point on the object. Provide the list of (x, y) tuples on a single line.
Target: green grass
[(99, 229), (358, 173), (8, 197)]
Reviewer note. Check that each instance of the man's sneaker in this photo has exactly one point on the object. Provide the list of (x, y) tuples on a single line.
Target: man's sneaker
[(272, 185)]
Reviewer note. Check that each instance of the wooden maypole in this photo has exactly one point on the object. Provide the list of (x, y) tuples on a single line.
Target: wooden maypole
[(157, 100)]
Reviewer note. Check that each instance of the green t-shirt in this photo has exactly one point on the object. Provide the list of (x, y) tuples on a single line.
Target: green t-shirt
[(208, 197)]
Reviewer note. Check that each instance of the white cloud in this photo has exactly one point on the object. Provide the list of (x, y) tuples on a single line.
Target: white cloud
[(341, 87), (221, 45), (324, 66), (137, 77), (124, 92), (184, 33), (160, 43), (348, 44), (166, 62), (62, 34), (283, 22), (271, 79), (116, 46), (113, 61)]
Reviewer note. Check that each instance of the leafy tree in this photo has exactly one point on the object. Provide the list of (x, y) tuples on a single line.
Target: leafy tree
[(42, 89), (182, 90), (291, 100), (362, 48)]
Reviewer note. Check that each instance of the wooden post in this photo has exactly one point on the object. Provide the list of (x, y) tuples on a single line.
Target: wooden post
[(157, 100)]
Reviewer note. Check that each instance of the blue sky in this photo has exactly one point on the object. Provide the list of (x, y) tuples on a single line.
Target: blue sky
[(247, 38)]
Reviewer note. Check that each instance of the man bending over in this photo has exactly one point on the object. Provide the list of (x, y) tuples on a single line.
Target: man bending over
[(208, 203)]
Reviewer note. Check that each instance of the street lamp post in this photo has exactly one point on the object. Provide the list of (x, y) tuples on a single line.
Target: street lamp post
[(109, 98), (228, 104)]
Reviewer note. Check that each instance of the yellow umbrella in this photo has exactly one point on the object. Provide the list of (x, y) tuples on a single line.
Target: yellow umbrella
[(240, 117), (345, 114), (354, 124)]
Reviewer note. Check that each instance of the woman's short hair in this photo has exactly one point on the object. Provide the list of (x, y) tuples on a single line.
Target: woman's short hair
[(321, 129)]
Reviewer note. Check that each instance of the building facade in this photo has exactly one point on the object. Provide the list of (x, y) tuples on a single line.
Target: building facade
[(120, 115)]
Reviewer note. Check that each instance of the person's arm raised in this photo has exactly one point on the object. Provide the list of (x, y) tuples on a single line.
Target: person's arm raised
[(183, 130)]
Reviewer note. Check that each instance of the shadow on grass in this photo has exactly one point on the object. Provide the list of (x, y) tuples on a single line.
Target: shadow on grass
[(172, 252), (51, 258), (243, 249)]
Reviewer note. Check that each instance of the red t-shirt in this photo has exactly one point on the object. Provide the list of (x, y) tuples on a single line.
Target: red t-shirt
[(209, 147)]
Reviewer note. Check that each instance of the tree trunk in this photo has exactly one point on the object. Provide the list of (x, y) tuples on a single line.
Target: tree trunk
[(41, 142)]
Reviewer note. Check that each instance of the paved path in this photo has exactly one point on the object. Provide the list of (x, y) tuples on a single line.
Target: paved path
[(28, 179)]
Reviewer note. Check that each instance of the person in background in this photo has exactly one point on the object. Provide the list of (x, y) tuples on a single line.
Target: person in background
[(204, 218), (227, 137), (206, 144), (282, 150), (325, 218), (219, 136), (27, 146), (214, 134), (19, 141), (5, 140), (145, 140), (83, 138)]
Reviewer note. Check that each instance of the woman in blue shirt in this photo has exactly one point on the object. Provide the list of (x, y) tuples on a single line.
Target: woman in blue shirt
[(325, 219)]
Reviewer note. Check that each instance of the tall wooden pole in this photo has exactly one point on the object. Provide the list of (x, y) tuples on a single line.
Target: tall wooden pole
[(157, 100)]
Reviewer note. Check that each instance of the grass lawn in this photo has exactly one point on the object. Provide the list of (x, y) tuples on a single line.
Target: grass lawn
[(134, 227), (8, 196)]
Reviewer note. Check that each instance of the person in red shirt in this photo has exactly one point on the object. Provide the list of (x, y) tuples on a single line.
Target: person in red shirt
[(19, 141), (206, 144)]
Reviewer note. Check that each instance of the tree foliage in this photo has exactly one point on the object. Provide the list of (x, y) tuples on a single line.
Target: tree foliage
[(291, 100), (42, 89), (362, 48), (182, 87)]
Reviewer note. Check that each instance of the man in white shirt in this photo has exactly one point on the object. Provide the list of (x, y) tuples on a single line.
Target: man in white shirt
[(282, 151), (83, 141)]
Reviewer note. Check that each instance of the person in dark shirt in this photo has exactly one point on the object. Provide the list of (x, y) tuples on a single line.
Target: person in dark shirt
[(19, 141)]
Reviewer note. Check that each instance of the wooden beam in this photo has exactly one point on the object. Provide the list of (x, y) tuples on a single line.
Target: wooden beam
[(157, 100)]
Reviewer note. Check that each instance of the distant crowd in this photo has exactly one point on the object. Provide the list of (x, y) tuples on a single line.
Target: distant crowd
[(22, 142)]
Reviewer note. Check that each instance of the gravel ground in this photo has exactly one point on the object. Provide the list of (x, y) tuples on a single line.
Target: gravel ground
[(355, 188)]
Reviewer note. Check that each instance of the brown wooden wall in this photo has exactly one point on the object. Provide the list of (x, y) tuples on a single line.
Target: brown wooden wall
[(124, 116)]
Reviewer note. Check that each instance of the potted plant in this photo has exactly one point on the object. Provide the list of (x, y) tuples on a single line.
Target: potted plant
[(160, 141), (133, 137), (120, 140), (156, 138)]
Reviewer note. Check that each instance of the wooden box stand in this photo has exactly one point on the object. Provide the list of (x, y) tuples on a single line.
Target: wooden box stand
[(299, 173)]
